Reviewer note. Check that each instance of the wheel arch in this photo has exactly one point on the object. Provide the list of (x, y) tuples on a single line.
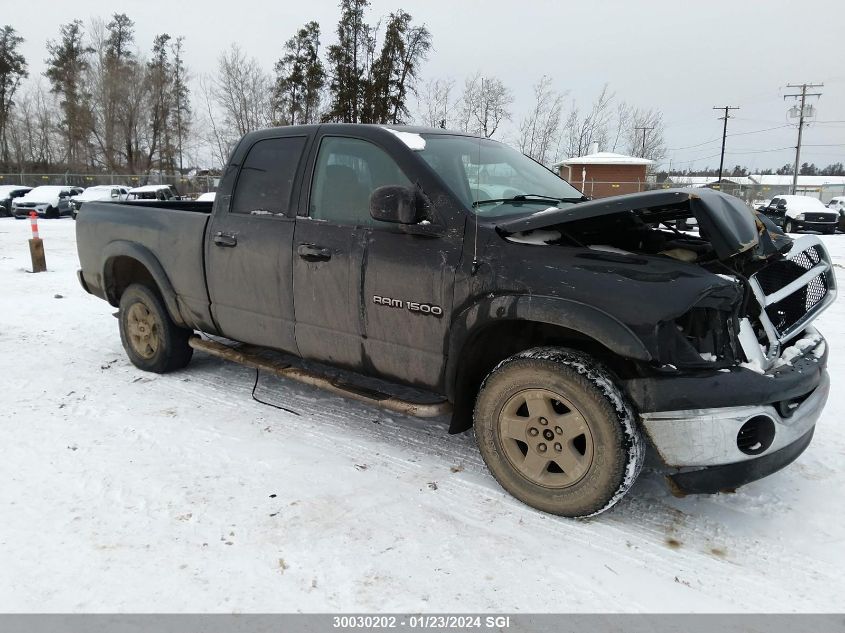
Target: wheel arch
[(126, 263), (499, 327)]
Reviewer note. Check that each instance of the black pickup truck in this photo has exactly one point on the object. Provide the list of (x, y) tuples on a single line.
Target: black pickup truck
[(571, 334)]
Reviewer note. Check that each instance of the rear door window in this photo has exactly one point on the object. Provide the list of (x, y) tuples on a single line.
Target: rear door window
[(265, 182)]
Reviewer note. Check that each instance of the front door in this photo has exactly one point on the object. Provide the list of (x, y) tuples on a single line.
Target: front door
[(248, 250), (368, 295)]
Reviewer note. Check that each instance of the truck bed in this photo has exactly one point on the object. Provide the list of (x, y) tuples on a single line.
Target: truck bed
[(170, 235)]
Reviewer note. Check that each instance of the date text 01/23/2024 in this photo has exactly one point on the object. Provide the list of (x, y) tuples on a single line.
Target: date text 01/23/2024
[(497, 622)]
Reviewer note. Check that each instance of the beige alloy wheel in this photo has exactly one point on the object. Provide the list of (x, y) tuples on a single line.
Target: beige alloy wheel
[(557, 433), (545, 438), (143, 330), (151, 339)]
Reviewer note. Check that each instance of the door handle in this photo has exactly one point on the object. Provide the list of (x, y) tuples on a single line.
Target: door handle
[(313, 253), (226, 239)]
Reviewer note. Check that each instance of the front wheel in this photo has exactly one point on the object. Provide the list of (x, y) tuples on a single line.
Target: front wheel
[(151, 339), (788, 226), (557, 433)]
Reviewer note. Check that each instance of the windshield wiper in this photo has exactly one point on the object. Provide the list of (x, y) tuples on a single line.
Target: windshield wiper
[(528, 197)]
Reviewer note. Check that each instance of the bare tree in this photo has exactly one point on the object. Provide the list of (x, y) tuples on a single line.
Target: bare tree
[(33, 134), (215, 138), (435, 105), (485, 105), (242, 90), (581, 131), (539, 130), (647, 141)]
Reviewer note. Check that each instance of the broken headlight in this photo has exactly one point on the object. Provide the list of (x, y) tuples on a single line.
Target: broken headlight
[(706, 335)]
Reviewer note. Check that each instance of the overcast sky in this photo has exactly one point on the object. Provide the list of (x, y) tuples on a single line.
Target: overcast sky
[(681, 57)]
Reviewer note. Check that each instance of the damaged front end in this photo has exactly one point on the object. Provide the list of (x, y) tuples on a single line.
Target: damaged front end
[(764, 289), (737, 378)]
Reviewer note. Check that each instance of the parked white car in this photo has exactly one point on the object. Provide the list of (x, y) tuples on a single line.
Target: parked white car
[(98, 193), (153, 192), (48, 201), (206, 197)]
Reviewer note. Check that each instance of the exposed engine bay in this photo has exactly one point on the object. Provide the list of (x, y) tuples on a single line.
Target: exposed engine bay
[(766, 289)]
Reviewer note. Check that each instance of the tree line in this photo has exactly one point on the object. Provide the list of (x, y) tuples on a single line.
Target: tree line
[(105, 105)]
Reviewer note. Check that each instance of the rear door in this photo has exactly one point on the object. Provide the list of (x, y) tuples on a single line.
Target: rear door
[(326, 259), (248, 248)]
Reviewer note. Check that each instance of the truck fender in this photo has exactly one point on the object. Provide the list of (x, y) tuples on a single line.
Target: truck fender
[(573, 315), (132, 250)]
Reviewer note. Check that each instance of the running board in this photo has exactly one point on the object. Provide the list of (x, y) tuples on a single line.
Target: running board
[(244, 355)]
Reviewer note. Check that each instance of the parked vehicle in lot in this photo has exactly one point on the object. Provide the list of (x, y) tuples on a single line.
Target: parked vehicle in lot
[(112, 193), (48, 201), (206, 197), (154, 192), (8, 194), (567, 332), (837, 204), (801, 213)]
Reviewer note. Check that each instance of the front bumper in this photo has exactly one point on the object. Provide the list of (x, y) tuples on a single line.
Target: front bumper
[(729, 477), (709, 437), (821, 227), (732, 440), (23, 212)]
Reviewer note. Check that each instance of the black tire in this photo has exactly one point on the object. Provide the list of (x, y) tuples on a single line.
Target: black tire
[(151, 339), (52, 212), (605, 459), (787, 226)]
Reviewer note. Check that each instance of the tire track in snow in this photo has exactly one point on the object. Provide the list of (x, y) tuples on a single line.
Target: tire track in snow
[(646, 523)]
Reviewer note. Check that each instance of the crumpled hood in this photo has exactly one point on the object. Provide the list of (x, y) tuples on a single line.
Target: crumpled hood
[(729, 225)]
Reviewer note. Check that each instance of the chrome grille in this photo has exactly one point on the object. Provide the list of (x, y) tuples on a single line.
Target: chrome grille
[(793, 291)]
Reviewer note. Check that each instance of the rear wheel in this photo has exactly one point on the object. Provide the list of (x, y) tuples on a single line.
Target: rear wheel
[(556, 433), (151, 339)]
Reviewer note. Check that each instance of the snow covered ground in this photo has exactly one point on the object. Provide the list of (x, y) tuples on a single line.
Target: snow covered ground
[(127, 491)]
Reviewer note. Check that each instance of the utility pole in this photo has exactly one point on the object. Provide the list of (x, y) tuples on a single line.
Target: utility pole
[(803, 96), (645, 131), (725, 118)]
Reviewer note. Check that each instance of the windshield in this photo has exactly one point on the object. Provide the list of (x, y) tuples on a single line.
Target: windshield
[(492, 179)]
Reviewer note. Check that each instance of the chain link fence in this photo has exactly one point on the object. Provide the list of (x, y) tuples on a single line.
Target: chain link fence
[(194, 185), (190, 186), (750, 193)]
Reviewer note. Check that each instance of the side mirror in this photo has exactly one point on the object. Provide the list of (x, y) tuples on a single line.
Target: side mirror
[(400, 205)]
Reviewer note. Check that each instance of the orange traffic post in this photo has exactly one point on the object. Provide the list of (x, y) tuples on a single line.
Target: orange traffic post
[(36, 246)]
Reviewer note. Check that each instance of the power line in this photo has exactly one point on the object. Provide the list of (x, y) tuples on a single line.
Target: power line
[(768, 129), (803, 111), (724, 133)]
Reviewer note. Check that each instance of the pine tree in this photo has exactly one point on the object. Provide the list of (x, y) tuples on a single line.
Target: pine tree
[(300, 77), (181, 112), (159, 78), (347, 61), (394, 72), (66, 65), (121, 68), (13, 69)]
